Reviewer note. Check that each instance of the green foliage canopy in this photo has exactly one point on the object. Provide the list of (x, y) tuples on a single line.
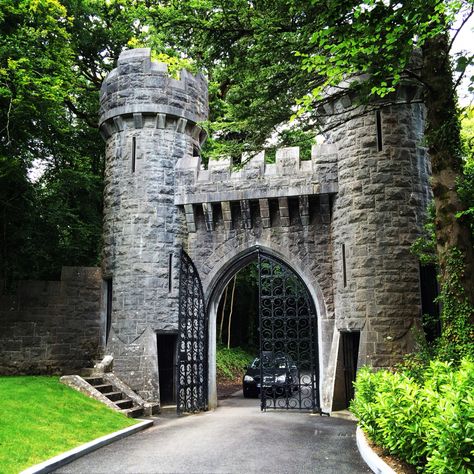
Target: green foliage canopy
[(53, 57)]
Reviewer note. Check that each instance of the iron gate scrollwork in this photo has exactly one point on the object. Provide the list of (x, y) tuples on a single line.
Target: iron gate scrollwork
[(192, 368), (289, 377)]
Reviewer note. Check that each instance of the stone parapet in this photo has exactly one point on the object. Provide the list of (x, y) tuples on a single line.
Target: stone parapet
[(139, 87), (288, 176)]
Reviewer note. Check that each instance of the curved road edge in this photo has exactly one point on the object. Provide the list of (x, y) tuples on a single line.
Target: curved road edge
[(375, 463), (69, 456)]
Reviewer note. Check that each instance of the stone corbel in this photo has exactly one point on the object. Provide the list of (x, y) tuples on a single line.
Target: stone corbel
[(284, 211), (324, 207), (119, 123), (246, 214), (227, 215), (138, 120), (190, 218), (160, 121), (265, 212), (304, 210), (181, 125), (208, 217)]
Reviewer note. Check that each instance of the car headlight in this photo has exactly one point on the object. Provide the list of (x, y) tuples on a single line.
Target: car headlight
[(281, 378), (248, 378)]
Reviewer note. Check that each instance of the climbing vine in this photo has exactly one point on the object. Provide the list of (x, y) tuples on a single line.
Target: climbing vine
[(457, 338)]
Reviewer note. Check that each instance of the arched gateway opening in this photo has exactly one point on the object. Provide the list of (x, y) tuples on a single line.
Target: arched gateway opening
[(285, 374)]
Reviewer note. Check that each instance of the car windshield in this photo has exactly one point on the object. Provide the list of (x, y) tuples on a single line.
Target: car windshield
[(278, 362)]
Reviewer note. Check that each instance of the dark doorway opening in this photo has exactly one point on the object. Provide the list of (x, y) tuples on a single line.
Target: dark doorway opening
[(346, 370), (350, 351), (166, 344)]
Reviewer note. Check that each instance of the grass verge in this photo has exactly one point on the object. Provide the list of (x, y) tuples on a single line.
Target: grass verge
[(42, 418)]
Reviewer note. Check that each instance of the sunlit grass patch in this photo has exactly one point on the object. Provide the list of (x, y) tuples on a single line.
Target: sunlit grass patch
[(41, 418)]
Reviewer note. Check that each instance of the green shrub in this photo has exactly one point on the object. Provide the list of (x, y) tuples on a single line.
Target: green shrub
[(429, 424), (231, 362), (450, 430)]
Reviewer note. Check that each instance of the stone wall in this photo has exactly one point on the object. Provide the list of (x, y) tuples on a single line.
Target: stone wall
[(53, 327), (302, 241)]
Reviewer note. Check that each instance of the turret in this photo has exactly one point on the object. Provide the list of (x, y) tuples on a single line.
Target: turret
[(379, 211), (149, 121)]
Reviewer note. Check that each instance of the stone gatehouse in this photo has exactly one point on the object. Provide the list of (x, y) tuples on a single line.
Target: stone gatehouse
[(343, 222)]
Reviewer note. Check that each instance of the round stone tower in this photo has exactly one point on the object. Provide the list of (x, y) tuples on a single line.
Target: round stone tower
[(379, 211), (149, 121)]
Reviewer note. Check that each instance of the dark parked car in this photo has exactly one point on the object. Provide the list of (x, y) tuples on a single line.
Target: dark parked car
[(280, 375)]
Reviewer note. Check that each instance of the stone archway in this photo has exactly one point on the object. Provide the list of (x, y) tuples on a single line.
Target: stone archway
[(290, 310)]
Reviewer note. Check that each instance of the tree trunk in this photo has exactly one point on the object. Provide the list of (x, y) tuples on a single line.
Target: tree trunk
[(444, 147), (223, 314), (230, 312)]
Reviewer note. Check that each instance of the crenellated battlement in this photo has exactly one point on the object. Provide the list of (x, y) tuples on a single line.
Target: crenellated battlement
[(140, 87), (288, 176)]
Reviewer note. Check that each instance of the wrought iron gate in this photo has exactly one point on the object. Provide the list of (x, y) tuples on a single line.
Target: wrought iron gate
[(192, 363), (289, 376)]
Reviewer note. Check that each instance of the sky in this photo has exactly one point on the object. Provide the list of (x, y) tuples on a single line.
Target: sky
[(465, 42)]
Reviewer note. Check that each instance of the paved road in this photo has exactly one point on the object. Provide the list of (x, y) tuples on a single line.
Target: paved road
[(235, 438)]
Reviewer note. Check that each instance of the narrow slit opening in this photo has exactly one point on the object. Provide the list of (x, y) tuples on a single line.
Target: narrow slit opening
[(134, 152), (108, 311), (170, 273), (378, 120), (344, 272)]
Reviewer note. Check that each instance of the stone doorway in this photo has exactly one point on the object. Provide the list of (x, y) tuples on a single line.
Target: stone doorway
[(167, 347), (346, 370)]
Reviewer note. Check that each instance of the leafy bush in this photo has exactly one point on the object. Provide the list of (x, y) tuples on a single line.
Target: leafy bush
[(429, 423), (231, 362)]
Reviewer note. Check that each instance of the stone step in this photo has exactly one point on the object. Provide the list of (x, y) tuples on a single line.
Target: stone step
[(104, 388), (125, 403), (134, 412), (94, 381), (113, 396)]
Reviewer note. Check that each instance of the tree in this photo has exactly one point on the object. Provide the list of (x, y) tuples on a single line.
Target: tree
[(53, 57), (35, 71)]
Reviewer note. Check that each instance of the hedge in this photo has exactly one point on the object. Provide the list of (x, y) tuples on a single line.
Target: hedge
[(427, 423)]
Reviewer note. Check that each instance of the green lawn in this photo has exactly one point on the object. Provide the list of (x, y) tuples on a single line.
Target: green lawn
[(41, 418)]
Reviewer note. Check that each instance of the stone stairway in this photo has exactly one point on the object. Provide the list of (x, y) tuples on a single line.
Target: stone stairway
[(101, 383), (124, 404)]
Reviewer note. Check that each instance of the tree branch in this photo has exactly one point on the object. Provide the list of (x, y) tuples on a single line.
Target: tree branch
[(80, 114), (461, 76), (465, 20)]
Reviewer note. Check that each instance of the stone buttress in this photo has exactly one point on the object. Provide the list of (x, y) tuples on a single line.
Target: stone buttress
[(149, 121)]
